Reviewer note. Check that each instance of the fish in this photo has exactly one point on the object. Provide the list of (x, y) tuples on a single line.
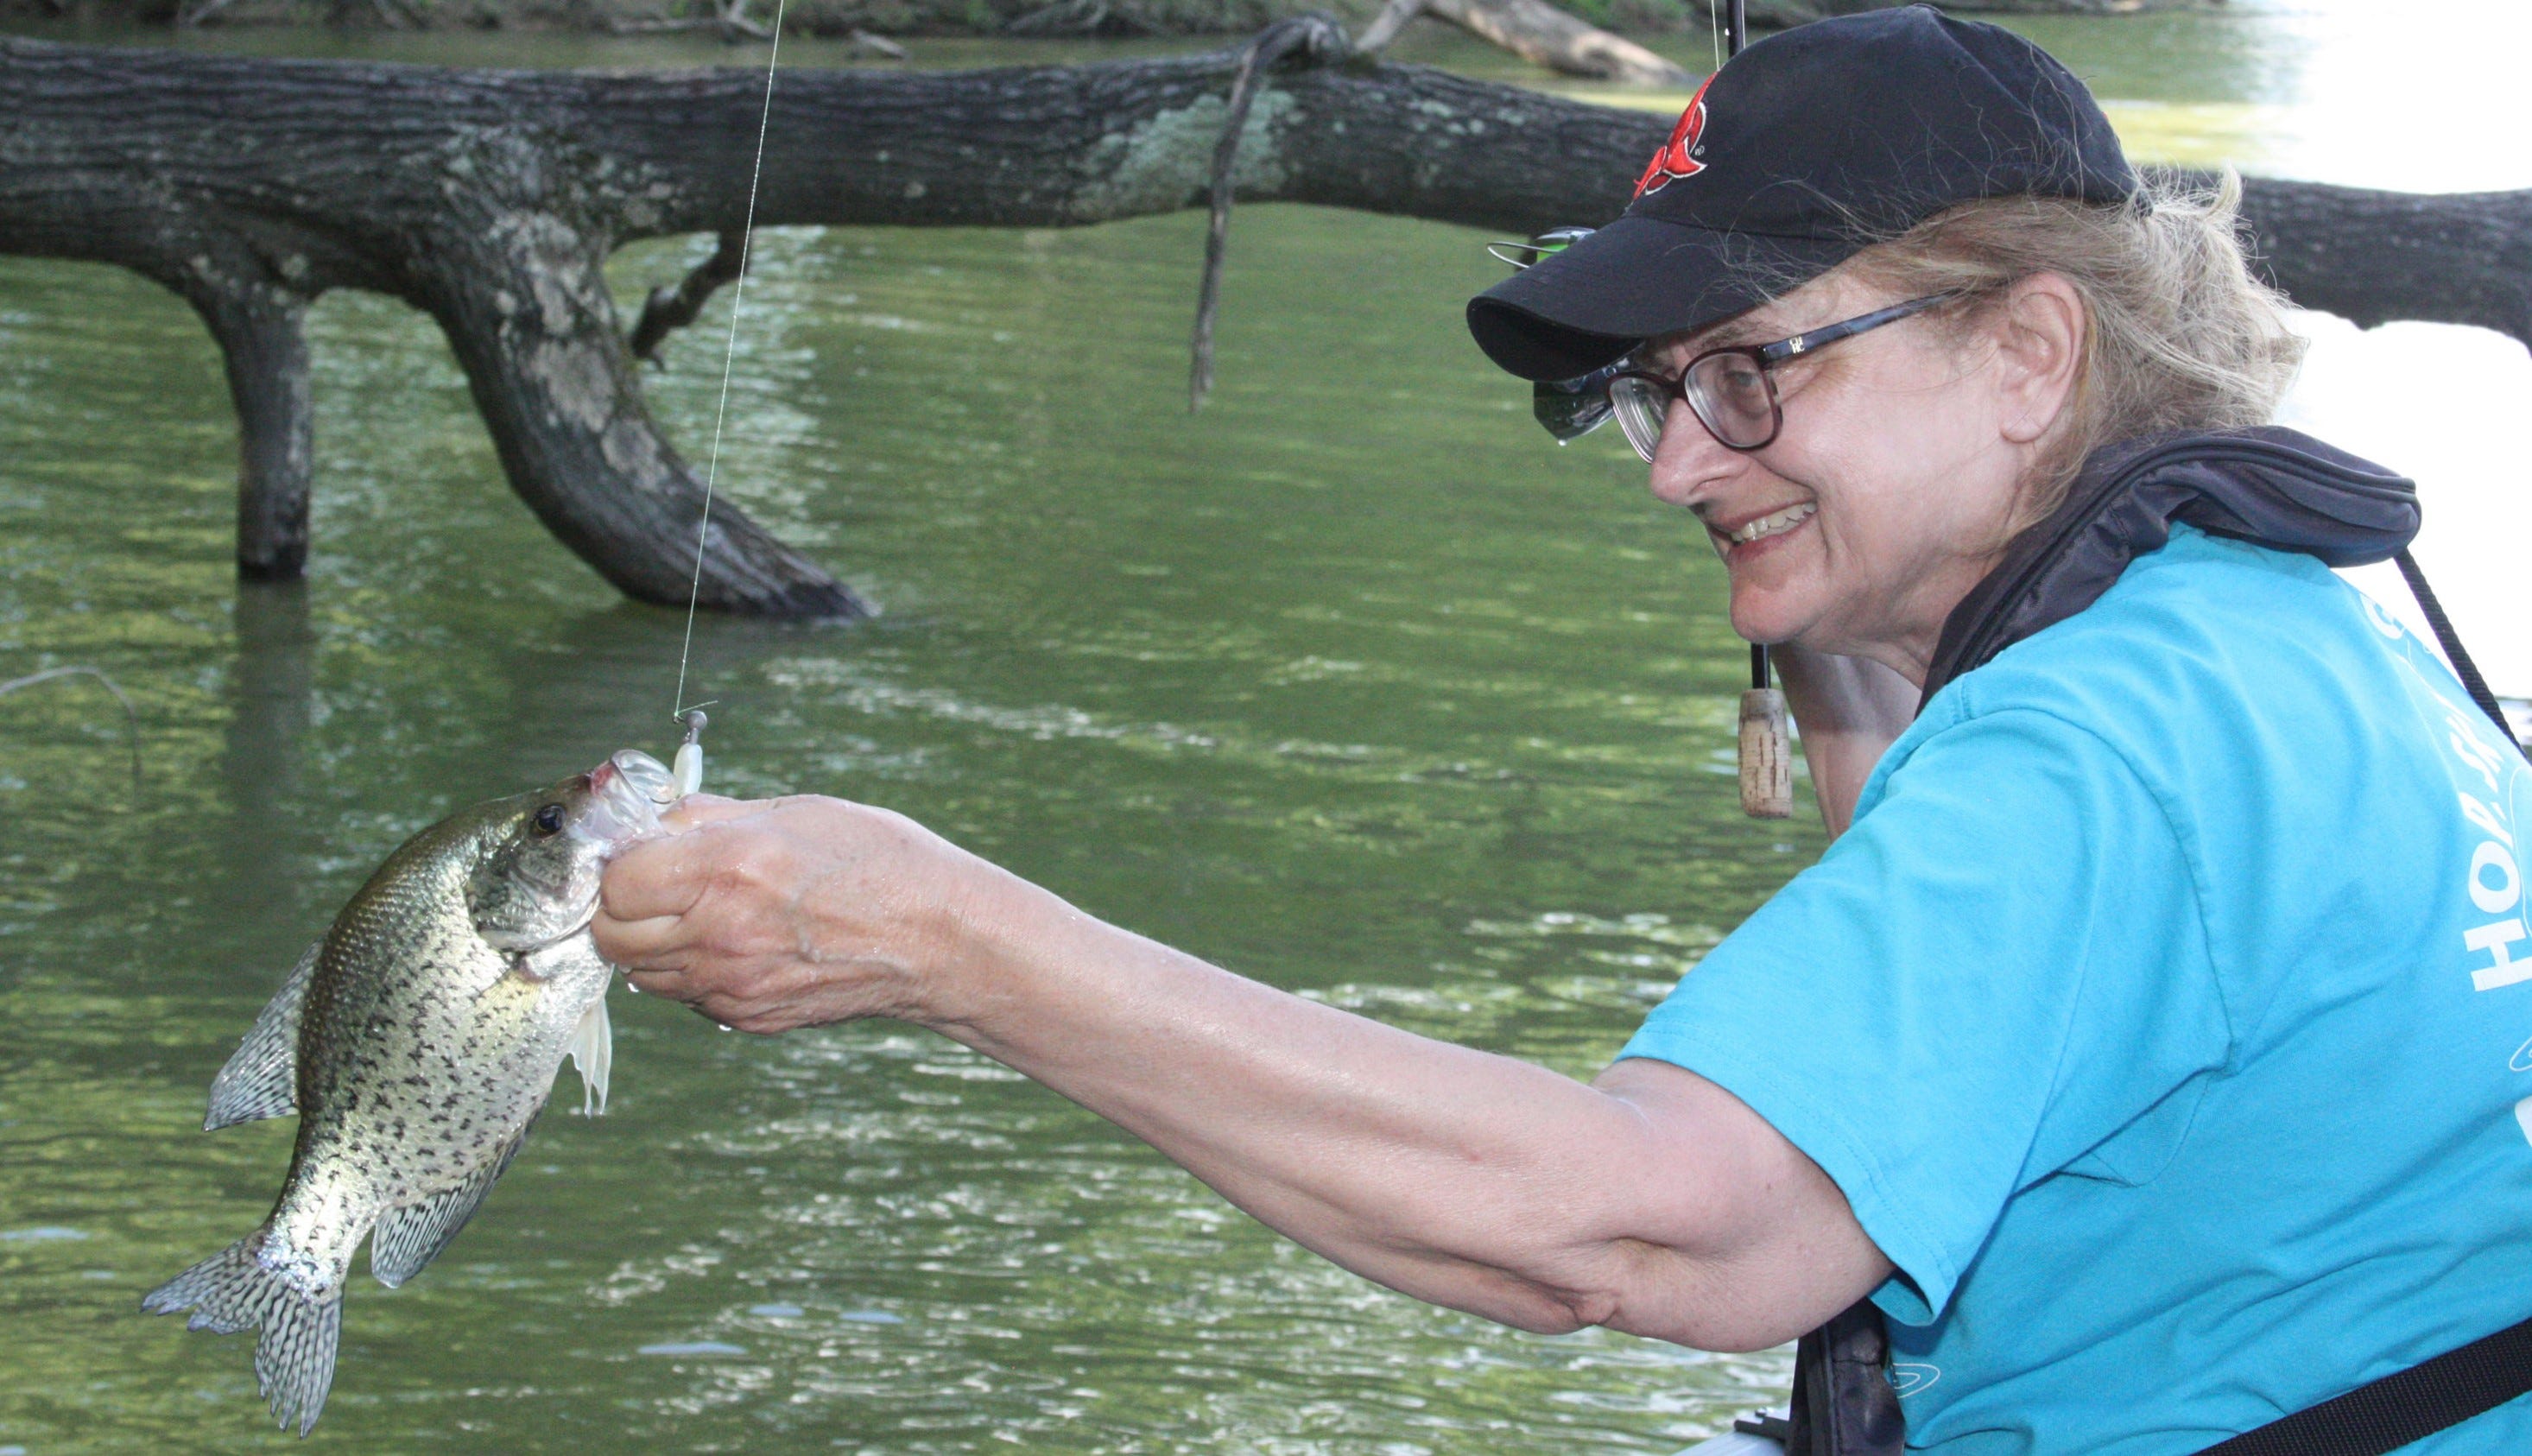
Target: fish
[(416, 1040)]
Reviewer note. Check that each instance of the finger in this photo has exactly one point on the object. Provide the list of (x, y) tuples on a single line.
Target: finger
[(655, 943), (658, 877), (669, 984), (697, 809)]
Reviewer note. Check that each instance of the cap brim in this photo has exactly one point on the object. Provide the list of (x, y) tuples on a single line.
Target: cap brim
[(1637, 277)]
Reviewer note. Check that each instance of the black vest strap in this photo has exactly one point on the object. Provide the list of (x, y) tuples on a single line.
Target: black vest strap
[(1843, 1402), (2404, 1405)]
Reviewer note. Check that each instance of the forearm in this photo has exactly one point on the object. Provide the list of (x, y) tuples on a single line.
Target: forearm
[(1651, 1200), (1459, 1176)]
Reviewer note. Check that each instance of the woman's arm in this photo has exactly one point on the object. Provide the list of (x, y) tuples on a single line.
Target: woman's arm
[(1848, 709), (1650, 1201)]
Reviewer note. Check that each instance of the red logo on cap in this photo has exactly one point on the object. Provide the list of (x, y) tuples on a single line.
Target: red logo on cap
[(1678, 160)]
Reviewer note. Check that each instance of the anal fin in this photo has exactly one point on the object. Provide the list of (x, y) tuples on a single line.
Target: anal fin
[(262, 1077), (408, 1238), (593, 1053)]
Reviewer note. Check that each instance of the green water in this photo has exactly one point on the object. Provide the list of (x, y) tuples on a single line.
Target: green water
[(1351, 682)]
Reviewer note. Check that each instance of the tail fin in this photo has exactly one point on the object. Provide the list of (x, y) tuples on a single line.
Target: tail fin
[(294, 1357)]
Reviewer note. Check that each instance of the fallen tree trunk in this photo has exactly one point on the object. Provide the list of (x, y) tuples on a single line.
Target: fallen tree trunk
[(491, 198), (2373, 257), (1536, 32)]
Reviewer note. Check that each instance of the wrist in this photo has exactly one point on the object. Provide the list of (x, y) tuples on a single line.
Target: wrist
[(984, 954)]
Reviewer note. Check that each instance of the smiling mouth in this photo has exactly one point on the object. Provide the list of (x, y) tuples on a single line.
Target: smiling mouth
[(1775, 524)]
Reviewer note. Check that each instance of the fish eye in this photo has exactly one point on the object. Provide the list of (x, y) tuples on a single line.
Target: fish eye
[(549, 819)]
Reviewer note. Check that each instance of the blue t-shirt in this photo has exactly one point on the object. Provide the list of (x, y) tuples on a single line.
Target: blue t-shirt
[(2163, 1016)]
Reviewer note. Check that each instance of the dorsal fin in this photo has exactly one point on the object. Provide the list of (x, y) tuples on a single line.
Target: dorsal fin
[(261, 1077), (410, 1236)]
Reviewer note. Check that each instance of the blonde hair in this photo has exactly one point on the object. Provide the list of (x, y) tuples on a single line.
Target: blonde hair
[(2179, 333)]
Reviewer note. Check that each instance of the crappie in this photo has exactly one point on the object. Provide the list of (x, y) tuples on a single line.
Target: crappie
[(416, 1040)]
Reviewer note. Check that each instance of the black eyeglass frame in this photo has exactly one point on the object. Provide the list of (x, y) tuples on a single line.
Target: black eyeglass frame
[(1672, 389)]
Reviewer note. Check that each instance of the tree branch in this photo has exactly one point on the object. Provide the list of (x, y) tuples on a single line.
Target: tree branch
[(491, 197), (1312, 37), (667, 309)]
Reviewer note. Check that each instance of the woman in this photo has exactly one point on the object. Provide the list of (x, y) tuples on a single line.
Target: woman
[(2140, 1050)]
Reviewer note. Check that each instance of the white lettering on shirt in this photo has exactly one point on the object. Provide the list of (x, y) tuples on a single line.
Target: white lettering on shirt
[(2384, 621), (2495, 881), (2485, 818), (2493, 940), (2467, 746), (2497, 899)]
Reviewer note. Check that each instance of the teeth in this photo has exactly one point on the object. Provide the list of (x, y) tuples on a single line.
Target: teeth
[(1783, 520)]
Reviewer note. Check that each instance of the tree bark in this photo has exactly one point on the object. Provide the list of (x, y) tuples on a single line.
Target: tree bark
[(263, 342), (2373, 257), (489, 198)]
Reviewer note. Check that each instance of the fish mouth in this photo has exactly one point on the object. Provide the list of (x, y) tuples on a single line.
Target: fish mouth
[(626, 795)]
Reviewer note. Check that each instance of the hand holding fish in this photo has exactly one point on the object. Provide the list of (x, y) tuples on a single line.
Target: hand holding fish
[(775, 915)]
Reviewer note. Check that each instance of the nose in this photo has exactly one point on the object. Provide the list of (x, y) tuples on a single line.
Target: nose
[(1689, 461)]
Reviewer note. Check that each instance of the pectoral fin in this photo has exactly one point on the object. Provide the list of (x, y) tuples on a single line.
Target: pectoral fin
[(410, 1236), (593, 1053), (261, 1077)]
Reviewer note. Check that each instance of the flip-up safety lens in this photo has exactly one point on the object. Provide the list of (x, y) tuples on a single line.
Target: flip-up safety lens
[(1546, 245)]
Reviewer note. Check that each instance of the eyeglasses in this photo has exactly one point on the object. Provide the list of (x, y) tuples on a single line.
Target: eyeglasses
[(1732, 391)]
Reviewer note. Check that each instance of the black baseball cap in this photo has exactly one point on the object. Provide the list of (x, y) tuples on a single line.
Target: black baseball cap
[(1792, 158)]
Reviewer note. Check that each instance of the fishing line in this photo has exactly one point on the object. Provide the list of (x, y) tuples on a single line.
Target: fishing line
[(730, 357), (130, 720)]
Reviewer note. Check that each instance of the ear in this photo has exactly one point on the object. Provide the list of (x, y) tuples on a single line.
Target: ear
[(2039, 346)]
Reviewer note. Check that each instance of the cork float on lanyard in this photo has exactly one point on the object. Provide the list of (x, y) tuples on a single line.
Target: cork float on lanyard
[(1766, 747)]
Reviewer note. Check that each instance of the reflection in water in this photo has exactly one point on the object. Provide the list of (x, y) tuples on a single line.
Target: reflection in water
[(272, 704)]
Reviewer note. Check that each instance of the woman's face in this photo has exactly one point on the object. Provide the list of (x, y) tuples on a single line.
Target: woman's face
[(1893, 483)]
